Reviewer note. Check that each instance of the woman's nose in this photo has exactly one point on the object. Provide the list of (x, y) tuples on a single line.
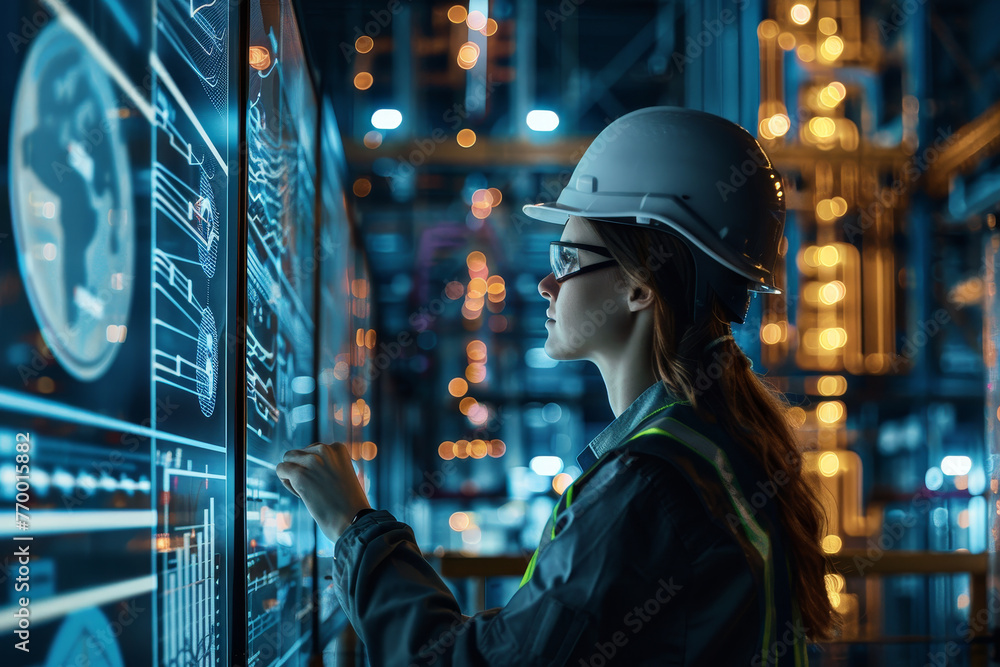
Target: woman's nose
[(548, 284)]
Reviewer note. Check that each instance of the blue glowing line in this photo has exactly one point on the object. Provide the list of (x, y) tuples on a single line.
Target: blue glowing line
[(11, 401), (128, 25)]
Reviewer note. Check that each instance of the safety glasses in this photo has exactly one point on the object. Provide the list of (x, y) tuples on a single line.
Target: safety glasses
[(564, 259)]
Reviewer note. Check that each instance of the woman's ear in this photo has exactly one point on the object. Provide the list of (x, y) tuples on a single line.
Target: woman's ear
[(640, 298)]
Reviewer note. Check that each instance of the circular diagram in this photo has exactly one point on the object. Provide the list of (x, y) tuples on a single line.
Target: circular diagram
[(71, 202), (208, 225), (208, 363)]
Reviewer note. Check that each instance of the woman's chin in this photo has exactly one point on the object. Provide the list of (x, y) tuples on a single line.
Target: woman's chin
[(555, 352)]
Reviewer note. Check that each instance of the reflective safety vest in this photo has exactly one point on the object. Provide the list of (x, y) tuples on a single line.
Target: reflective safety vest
[(721, 471)]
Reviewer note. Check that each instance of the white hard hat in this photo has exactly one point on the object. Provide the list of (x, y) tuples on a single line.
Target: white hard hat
[(696, 175)]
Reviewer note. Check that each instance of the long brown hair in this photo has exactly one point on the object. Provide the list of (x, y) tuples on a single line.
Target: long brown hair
[(739, 397)]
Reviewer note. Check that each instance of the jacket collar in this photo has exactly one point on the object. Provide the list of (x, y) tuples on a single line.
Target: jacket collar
[(612, 437)]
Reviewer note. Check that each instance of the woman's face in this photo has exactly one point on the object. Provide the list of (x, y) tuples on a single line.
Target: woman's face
[(589, 312)]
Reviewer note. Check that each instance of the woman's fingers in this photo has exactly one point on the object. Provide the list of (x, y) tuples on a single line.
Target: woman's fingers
[(285, 470)]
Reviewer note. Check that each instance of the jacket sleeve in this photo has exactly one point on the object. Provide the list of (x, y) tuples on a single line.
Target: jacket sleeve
[(593, 587)]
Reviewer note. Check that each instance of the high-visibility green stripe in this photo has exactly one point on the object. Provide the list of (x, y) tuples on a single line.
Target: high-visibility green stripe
[(717, 458), (528, 572), (568, 496)]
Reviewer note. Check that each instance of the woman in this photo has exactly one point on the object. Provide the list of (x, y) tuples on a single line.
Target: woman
[(692, 537)]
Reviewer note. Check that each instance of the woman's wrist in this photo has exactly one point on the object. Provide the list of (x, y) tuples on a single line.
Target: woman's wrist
[(360, 514)]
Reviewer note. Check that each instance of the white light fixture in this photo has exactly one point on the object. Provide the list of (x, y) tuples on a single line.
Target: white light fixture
[(956, 465), (387, 119), (546, 465), (542, 120)]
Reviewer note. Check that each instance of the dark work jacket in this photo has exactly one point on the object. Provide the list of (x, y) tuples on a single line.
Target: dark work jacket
[(665, 551)]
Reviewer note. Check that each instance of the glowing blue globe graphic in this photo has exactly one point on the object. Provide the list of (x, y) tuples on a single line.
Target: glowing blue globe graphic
[(71, 200)]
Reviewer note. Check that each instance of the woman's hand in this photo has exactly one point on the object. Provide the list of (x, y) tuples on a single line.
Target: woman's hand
[(323, 477)]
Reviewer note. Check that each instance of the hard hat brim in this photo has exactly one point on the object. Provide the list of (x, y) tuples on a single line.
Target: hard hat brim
[(557, 213), (550, 212)]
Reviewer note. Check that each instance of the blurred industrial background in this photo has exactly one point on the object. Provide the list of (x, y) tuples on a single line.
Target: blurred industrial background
[(236, 228), (883, 119)]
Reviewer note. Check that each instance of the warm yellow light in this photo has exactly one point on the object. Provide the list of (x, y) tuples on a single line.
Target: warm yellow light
[(476, 261), (801, 14), (824, 210), (839, 205), (768, 29), (497, 196), (457, 14), (462, 449), (829, 255), (831, 385), (468, 54), (763, 129), (796, 416), (364, 44), (459, 521), (828, 98), (822, 126), (832, 47), (779, 124), (827, 25), (561, 482), (360, 413), (810, 256), (829, 464), (446, 450), (482, 196), (490, 29), (830, 412), (475, 372), (770, 333), (465, 138), (477, 448), (837, 90), (260, 58), (834, 582), (467, 404), (832, 292), (458, 387), (363, 80), (832, 544), (806, 53), (832, 338), (786, 41), (476, 350), (477, 288), (368, 450)]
